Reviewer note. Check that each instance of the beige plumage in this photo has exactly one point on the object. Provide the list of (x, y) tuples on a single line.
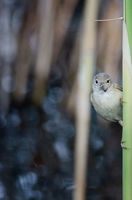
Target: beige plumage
[(106, 98)]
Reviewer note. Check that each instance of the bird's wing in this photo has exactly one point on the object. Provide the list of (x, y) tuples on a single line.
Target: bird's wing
[(118, 87)]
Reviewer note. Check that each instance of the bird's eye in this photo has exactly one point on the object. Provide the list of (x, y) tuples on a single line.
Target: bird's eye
[(108, 81), (96, 81)]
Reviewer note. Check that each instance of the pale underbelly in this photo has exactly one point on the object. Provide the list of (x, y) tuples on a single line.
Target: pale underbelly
[(111, 111)]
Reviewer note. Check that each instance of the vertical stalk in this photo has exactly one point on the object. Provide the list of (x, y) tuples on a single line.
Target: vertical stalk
[(127, 99), (85, 73), (128, 19), (45, 48)]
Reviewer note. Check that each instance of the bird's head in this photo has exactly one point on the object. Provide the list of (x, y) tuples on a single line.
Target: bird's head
[(102, 82)]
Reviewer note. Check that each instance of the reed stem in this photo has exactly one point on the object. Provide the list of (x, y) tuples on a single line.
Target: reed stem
[(127, 99)]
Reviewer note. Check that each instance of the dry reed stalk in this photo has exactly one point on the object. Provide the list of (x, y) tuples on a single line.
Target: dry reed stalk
[(85, 73), (73, 74), (65, 13), (45, 48), (24, 59), (110, 41)]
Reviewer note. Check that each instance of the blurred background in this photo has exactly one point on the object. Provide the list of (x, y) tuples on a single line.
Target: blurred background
[(39, 58)]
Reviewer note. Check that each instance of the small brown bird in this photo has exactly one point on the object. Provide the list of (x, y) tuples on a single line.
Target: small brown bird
[(106, 98)]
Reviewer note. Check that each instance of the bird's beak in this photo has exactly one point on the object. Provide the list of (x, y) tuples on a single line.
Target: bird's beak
[(103, 87)]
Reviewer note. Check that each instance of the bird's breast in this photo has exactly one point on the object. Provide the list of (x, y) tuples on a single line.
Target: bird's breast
[(107, 104)]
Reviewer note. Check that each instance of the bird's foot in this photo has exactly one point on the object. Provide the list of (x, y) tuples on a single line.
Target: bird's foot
[(122, 101), (120, 122), (123, 145)]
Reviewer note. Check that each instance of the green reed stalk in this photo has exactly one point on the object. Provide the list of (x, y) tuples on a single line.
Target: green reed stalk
[(127, 100)]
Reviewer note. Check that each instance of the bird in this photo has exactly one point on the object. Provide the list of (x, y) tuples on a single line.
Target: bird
[(107, 98)]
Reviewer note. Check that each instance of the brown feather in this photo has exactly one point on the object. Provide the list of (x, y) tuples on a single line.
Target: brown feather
[(118, 87)]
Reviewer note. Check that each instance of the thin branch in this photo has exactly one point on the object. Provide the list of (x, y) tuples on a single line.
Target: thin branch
[(108, 20)]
